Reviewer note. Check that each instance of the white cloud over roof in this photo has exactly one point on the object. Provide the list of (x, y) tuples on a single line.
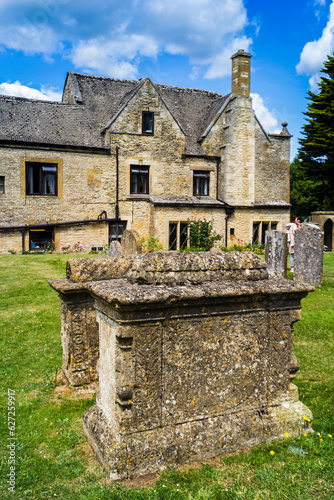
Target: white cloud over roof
[(19, 90), (111, 38), (267, 118)]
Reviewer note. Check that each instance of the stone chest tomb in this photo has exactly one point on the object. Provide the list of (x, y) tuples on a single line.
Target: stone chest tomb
[(194, 355)]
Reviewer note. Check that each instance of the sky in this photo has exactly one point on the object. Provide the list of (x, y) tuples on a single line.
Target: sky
[(185, 43)]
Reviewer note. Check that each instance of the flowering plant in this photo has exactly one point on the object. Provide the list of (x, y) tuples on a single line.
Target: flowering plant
[(242, 246), (65, 248), (49, 247), (78, 247), (201, 234)]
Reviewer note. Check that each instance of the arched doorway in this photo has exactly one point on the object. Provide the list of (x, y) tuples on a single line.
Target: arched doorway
[(328, 235)]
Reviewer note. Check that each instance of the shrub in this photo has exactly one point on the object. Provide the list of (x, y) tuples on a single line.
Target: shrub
[(202, 235), (78, 247), (49, 247), (153, 244), (241, 246)]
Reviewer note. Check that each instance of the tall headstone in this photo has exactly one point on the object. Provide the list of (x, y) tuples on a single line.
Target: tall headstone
[(115, 249), (276, 253), (131, 242), (309, 254)]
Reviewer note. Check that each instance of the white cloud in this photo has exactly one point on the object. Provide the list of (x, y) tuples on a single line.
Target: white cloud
[(113, 37), (315, 53), (267, 118), (117, 57), (19, 90), (220, 65)]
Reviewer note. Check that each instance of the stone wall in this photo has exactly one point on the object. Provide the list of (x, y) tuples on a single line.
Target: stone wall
[(236, 147)]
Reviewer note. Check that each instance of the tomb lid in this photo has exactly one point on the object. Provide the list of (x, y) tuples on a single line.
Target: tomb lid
[(121, 293), (170, 268)]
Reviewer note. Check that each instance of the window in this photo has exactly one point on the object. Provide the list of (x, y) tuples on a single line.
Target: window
[(178, 235), (41, 178), (201, 183), (116, 229), (139, 179), (2, 184), (148, 122), (39, 238), (259, 230)]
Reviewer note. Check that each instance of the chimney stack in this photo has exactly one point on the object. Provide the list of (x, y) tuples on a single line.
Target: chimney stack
[(241, 73)]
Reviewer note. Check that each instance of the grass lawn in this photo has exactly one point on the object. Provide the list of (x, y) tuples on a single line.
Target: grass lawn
[(52, 457)]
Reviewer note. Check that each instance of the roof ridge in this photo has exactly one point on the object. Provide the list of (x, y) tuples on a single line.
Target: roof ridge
[(189, 89), (29, 99), (74, 73), (174, 87)]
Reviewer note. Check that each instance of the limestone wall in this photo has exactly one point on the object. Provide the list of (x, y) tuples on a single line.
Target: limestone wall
[(251, 167)]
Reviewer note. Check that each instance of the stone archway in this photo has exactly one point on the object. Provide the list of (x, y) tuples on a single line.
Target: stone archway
[(328, 235)]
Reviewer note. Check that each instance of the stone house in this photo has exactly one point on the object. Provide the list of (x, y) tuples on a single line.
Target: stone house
[(118, 154)]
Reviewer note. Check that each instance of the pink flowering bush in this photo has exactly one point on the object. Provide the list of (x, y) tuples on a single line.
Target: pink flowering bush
[(78, 247), (202, 236), (65, 248)]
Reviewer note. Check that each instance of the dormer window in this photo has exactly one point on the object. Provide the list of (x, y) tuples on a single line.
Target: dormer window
[(201, 183), (148, 123)]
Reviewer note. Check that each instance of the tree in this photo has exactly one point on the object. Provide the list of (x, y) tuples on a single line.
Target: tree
[(316, 154), (304, 197)]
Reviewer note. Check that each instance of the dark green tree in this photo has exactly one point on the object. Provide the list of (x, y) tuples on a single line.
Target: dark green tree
[(304, 197), (316, 154)]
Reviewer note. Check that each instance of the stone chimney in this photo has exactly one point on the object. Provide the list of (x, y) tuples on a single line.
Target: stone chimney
[(241, 73)]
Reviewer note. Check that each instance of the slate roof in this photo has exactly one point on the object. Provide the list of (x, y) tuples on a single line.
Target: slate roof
[(97, 101)]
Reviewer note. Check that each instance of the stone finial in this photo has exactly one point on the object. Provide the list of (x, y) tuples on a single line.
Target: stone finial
[(241, 73), (284, 130)]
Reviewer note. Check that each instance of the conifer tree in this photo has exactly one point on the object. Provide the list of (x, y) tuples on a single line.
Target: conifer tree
[(316, 153)]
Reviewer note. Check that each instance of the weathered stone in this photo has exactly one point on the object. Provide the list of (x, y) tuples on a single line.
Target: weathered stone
[(131, 243), (115, 249), (79, 332), (276, 253), (195, 355), (170, 267), (309, 254)]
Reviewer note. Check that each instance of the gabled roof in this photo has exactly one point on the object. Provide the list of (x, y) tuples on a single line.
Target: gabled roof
[(90, 103)]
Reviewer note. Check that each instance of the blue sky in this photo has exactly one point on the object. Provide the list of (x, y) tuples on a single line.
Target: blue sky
[(185, 43)]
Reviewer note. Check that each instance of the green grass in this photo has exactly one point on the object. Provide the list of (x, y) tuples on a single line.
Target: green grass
[(53, 459)]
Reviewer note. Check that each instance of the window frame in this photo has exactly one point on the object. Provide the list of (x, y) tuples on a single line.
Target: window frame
[(149, 115), (199, 178), (116, 230), (2, 184), (146, 172), (48, 232), (42, 177), (260, 230), (181, 229)]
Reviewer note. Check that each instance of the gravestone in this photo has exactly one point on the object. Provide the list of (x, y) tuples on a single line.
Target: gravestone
[(276, 253), (309, 254), (131, 242), (115, 249)]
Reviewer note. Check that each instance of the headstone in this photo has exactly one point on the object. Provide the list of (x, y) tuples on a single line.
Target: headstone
[(131, 242), (115, 249), (309, 254), (276, 253)]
